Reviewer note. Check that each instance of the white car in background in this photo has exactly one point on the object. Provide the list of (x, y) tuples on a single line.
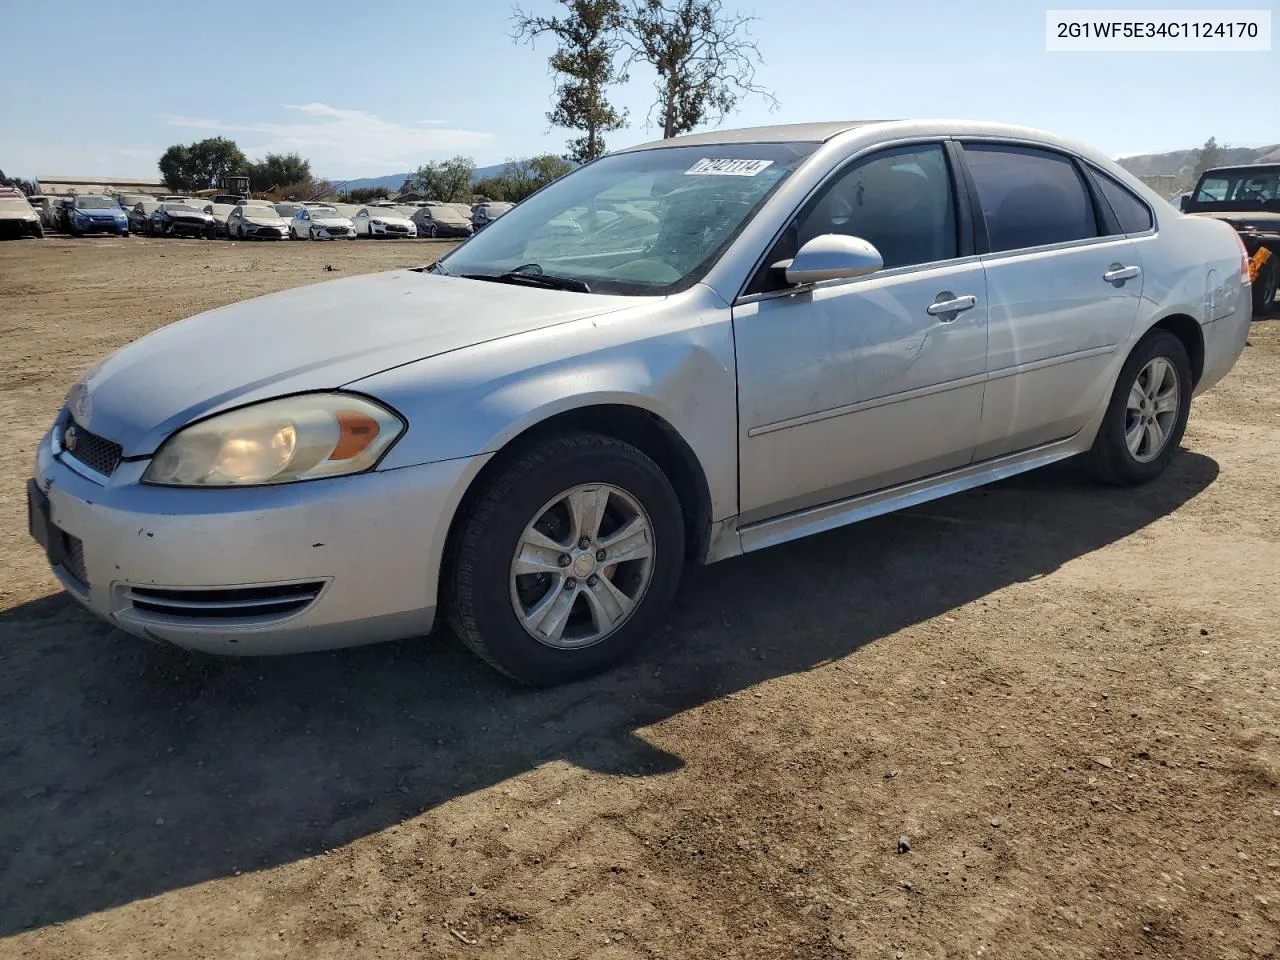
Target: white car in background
[(373, 221), (321, 223), (256, 221)]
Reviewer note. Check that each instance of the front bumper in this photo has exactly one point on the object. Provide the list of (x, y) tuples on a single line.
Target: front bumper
[(367, 548), (100, 226)]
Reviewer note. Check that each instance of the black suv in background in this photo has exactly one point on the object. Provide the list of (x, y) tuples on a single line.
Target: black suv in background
[(1248, 198)]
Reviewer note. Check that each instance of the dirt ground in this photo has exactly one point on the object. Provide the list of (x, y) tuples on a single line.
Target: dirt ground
[(1038, 720)]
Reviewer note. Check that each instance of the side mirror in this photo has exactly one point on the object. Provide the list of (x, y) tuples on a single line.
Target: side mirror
[(831, 256), (1184, 201)]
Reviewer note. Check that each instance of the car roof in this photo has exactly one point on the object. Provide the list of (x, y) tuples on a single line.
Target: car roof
[(1244, 168), (777, 133), (871, 130)]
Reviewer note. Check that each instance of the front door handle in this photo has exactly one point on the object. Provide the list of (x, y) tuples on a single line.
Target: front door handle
[(1119, 273), (948, 306)]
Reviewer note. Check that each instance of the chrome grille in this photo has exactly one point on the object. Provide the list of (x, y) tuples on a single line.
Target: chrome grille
[(238, 603), (95, 452)]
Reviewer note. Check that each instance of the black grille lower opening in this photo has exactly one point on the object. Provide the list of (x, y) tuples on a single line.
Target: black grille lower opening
[(95, 452), (73, 557), (230, 603)]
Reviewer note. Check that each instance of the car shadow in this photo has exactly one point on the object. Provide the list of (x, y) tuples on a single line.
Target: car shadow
[(132, 769)]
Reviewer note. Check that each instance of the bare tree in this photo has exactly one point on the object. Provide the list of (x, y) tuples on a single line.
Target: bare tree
[(584, 64), (705, 60)]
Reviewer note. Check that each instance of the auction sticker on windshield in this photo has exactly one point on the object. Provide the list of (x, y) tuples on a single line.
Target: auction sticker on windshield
[(727, 168)]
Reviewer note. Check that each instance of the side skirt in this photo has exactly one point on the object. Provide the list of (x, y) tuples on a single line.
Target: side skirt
[(728, 540)]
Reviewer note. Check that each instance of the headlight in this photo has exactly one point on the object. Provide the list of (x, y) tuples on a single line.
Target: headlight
[(295, 438), (378, 223)]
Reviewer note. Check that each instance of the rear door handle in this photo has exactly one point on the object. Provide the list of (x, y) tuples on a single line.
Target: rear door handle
[(948, 306), (1119, 273)]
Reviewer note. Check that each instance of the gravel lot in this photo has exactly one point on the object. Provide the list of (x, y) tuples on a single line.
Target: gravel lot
[(1038, 720)]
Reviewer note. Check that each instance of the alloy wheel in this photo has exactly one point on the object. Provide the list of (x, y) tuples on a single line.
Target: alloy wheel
[(1152, 409), (582, 566)]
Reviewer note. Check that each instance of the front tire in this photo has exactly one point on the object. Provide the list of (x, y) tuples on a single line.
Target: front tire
[(1147, 414), (601, 505)]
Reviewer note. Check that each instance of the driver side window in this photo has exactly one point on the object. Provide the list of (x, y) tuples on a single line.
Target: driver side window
[(901, 200)]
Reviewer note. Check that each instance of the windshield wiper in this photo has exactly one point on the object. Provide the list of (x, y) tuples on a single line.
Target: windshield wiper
[(547, 281)]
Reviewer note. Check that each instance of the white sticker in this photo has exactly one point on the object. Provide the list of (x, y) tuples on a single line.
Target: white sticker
[(727, 168)]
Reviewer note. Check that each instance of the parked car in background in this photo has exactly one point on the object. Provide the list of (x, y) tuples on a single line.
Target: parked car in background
[(140, 215), (483, 214), (1248, 199), (226, 199), (321, 223), (96, 214), (220, 212), (174, 219), (17, 217), (128, 200), (372, 222), (287, 209), (256, 221), (53, 213), (348, 210), (41, 205), (811, 326), (441, 220)]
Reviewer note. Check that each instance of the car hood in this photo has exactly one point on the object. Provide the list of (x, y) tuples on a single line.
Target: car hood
[(266, 220), (331, 221), (391, 218), (317, 337)]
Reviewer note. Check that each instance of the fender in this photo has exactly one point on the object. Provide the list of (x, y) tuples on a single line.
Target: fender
[(478, 399)]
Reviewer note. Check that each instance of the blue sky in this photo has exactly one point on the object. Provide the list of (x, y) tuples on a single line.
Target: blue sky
[(380, 87)]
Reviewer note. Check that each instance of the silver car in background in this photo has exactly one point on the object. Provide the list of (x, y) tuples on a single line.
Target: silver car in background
[(679, 353), (320, 223)]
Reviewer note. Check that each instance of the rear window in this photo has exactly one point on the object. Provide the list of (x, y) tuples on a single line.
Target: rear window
[(1134, 215), (1029, 197)]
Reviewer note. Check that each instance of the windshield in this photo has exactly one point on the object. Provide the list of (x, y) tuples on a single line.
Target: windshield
[(1240, 189), (323, 213), (649, 222), (180, 208), (96, 203), (260, 212)]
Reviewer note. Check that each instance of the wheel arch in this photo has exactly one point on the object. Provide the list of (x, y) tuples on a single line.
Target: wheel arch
[(1186, 329), (644, 429)]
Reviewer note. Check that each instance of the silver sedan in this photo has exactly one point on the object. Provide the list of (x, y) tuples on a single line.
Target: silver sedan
[(677, 354)]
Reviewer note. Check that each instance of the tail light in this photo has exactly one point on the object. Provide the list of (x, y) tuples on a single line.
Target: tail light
[(1244, 260)]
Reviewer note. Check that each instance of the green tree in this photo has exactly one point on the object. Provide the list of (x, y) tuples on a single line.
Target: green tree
[(585, 64), (201, 165), (448, 180), (278, 170), (705, 60), (520, 178), (1210, 156), (28, 187)]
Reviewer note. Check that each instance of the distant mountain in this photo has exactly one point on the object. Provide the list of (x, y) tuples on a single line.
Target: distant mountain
[(1182, 163), (393, 181)]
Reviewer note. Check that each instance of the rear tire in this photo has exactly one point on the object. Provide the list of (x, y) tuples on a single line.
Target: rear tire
[(1264, 288), (1157, 369), (486, 591)]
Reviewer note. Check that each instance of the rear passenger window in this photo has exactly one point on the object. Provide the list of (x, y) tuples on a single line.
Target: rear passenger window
[(1133, 214), (1029, 197)]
